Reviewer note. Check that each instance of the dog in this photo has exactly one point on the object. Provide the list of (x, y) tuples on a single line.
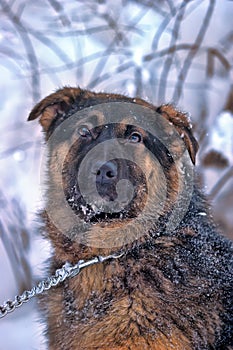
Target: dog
[(171, 286)]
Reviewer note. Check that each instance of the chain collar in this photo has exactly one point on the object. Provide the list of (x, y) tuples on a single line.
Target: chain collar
[(66, 271)]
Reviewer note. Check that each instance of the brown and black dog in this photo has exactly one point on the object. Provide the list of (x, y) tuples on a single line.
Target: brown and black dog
[(171, 288)]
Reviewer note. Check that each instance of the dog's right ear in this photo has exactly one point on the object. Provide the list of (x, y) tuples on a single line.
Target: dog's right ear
[(58, 102)]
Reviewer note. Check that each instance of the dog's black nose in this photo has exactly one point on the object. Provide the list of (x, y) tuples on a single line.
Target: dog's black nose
[(106, 173)]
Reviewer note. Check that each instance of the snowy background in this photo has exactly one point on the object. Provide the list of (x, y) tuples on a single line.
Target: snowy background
[(163, 51)]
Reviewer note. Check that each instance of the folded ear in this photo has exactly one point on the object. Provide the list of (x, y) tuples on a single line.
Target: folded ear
[(57, 103), (181, 123)]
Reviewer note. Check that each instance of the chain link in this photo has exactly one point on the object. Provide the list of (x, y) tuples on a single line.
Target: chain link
[(67, 270)]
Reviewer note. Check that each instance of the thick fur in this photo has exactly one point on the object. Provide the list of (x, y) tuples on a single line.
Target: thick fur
[(170, 290)]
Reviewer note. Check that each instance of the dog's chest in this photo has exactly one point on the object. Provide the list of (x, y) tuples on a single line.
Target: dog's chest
[(105, 308)]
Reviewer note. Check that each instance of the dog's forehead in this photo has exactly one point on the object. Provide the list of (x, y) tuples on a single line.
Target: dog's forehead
[(124, 113)]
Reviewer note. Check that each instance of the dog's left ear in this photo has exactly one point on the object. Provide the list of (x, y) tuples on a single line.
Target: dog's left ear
[(181, 123), (57, 103)]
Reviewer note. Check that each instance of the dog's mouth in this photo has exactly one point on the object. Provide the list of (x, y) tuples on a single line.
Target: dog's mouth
[(92, 214)]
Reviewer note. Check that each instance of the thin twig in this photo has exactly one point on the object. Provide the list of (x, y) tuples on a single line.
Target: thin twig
[(169, 60), (221, 182), (30, 52), (191, 54), (56, 5)]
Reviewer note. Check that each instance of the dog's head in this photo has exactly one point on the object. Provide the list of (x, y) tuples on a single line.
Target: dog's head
[(118, 159)]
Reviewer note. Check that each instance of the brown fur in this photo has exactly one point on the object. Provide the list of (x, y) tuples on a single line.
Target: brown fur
[(168, 290)]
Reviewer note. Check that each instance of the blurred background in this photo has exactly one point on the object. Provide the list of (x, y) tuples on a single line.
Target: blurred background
[(163, 51)]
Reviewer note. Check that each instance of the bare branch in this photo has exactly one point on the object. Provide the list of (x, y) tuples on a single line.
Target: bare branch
[(169, 60), (32, 58), (191, 54), (221, 182), (56, 5)]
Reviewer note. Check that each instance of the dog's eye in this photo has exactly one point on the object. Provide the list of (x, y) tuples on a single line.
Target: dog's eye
[(135, 137), (84, 131)]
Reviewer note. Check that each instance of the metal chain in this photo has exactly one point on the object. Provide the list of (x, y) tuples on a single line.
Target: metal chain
[(67, 270)]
